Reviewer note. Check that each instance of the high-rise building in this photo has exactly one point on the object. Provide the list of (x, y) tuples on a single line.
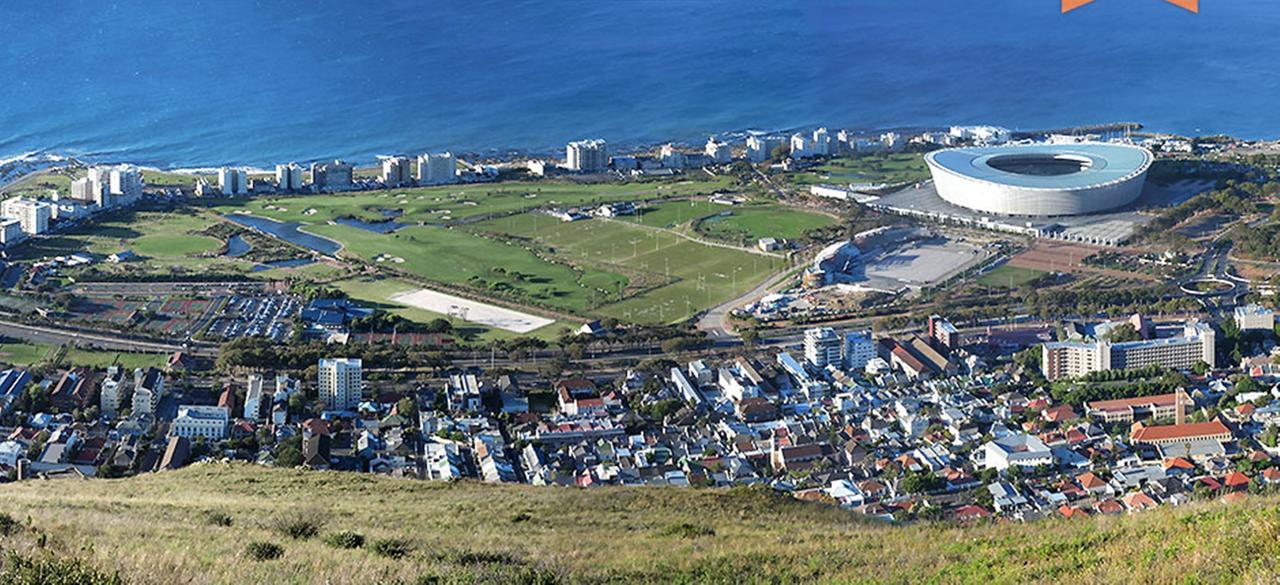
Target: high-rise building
[(253, 398), (332, 176), (114, 392), (760, 148), (1067, 359), (232, 182), (718, 151), (32, 215), (821, 347), (340, 383), (90, 191), (126, 184), (943, 333), (672, 158), (396, 171), (821, 145), (11, 231), (859, 349), (289, 177), (437, 169), (587, 156), (148, 389)]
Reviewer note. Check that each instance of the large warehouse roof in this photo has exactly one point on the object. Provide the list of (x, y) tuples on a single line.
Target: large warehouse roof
[(1046, 166)]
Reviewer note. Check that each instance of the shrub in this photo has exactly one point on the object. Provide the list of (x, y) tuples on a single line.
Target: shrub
[(50, 570), (8, 525), (263, 551), (299, 524), (345, 539), (217, 518), (687, 530), (392, 548)]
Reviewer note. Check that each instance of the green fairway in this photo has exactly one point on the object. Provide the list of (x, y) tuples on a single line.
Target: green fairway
[(672, 214), (894, 169), (23, 354), (171, 245), (434, 205), (1009, 277), (746, 225), (166, 241), (679, 277), (458, 257)]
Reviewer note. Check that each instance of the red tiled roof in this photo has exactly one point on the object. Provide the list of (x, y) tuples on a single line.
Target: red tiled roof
[(1090, 481), (1182, 431), (1126, 403), (1236, 479), (1178, 463)]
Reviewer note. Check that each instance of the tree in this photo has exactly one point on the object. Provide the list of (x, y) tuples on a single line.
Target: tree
[(1200, 368), (750, 337), (407, 408)]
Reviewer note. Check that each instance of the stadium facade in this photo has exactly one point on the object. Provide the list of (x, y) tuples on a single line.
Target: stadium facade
[(1041, 180)]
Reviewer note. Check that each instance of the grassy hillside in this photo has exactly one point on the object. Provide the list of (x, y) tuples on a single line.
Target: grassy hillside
[(197, 525)]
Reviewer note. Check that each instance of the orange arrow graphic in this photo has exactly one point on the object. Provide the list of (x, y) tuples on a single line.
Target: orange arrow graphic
[(1192, 5)]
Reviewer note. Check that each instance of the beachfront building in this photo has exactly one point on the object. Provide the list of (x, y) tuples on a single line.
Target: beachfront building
[(340, 383), (232, 182), (587, 156), (289, 177), (1255, 318), (1067, 359), (33, 215), (718, 151), (125, 185), (672, 158), (439, 168), (194, 421), (760, 148), (332, 176), (821, 347), (90, 192), (397, 171)]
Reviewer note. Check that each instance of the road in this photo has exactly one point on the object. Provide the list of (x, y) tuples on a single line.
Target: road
[(715, 323), (55, 336)]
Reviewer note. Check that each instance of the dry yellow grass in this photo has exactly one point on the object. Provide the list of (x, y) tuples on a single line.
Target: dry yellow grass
[(156, 529)]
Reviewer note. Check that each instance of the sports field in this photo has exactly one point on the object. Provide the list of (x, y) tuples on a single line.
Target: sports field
[(746, 225), (378, 292), (671, 277), (1007, 276)]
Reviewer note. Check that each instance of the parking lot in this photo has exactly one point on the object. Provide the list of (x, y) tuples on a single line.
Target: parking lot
[(249, 315)]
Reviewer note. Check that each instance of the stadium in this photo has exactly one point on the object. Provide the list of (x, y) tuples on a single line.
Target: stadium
[(1043, 180)]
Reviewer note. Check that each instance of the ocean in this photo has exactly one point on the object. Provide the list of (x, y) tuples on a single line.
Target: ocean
[(249, 82)]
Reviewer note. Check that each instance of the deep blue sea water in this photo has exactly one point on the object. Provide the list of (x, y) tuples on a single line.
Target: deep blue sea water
[(197, 83)]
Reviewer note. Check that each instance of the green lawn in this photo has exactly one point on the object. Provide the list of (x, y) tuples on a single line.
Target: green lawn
[(40, 183), (1009, 277), (24, 354), (28, 354), (458, 257), (91, 358), (893, 168), (164, 239), (679, 277), (746, 225), (455, 202)]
